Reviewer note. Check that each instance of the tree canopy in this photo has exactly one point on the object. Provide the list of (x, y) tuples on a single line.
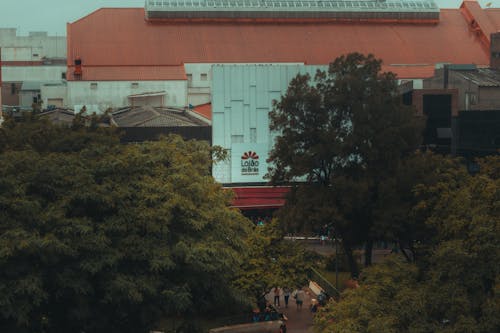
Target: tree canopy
[(339, 137), (455, 287), (105, 237)]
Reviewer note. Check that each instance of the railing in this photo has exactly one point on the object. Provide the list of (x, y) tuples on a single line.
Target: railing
[(329, 288)]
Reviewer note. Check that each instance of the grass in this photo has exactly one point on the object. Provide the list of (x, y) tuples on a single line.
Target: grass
[(330, 276)]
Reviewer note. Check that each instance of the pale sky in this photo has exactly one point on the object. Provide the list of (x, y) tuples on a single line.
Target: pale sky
[(52, 15)]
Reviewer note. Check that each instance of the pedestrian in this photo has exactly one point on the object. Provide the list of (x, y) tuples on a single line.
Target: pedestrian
[(299, 298), (286, 295), (277, 293)]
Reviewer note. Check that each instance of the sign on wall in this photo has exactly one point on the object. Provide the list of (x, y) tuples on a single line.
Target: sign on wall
[(248, 162)]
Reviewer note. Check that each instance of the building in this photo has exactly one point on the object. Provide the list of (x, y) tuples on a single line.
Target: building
[(462, 104), (146, 123), (37, 58), (239, 56)]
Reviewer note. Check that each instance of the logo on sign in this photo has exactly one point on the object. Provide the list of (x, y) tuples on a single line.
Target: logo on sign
[(250, 163)]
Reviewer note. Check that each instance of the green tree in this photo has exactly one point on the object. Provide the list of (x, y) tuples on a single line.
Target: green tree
[(455, 287), (109, 238), (339, 137), (272, 261)]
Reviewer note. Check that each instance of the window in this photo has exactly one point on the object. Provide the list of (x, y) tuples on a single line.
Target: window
[(12, 88), (190, 77), (35, 55), (63, 75), (134, 85), (93, 85), (204, 76)]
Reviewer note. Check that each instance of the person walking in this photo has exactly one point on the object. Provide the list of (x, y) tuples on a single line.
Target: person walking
[(299, 298), (286, 295), (277, 293)]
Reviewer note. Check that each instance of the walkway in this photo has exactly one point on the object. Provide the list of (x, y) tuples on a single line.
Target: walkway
[(299, 320)]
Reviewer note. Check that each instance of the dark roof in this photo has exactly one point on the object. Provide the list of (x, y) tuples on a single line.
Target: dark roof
[(146, 116), (484, 77), (59, 116)]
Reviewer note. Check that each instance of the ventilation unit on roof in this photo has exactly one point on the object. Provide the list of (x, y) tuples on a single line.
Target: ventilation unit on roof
[(394, 10)]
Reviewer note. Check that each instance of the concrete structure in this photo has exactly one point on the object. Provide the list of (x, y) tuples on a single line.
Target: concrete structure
[(34, 47), (36, 58), (241, 102), (111, 94), (172, 39), (241, 55)]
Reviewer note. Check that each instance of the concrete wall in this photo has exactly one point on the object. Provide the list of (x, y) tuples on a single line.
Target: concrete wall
[(53, 92), (106, 94), (22, 48), (242, 97), (32, 73)]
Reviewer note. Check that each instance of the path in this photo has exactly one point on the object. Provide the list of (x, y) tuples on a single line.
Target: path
[(299, 320)]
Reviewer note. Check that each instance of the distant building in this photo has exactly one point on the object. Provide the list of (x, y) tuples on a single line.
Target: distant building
[(146, 123), (37, 57), (462, 105), (240, 56)]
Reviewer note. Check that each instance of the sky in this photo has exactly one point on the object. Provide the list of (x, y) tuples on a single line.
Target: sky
[(52, 15)]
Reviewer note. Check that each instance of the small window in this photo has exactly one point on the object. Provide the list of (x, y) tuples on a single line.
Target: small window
[(190, 77), (63, 75), (12, 88), (35, 55), (135, 85), (93, 85), (204, 76)]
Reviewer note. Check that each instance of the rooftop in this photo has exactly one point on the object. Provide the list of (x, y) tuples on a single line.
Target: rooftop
[(147, 116), (484, 77), (293, 9)]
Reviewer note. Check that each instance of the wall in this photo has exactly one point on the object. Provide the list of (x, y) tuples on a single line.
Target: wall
[(32, 73), (114, 93), (41, 42), (242, 97), (53, 92), (488, 98)]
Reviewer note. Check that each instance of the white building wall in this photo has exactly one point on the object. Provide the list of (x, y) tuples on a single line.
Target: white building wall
[(106, 94), (200, 80), (22, 48), (32, 73), (51, 92), (242, 98)]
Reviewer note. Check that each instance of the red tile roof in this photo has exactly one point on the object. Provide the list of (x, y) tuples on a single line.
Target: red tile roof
[(122, 37), (204, 110), (129, 73)]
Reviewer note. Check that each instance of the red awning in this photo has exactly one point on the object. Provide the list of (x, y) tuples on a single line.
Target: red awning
[(259, 197)]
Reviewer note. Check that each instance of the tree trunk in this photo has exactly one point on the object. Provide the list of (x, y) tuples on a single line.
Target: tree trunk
[(353, 265), (368, 253)]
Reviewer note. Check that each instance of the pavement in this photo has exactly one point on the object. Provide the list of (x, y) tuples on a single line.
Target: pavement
[(299, 320)]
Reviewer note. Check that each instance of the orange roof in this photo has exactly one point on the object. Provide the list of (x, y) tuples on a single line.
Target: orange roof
[(130, 73), (122, 37), (204, 110)]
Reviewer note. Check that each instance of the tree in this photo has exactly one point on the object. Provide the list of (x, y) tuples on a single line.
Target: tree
[(345, 130), (108, 238), (455, 288), (272, 261)]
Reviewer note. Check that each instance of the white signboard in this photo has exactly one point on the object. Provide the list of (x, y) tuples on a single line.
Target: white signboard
[(248, 162)]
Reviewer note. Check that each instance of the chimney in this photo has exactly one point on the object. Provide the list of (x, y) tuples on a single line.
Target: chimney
[(495, 50)]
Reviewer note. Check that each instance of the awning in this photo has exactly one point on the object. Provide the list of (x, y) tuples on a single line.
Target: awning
[(259, 197)]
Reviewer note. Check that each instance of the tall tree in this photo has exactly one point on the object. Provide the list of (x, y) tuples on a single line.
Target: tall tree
[(108, 238), (346, 129), (455, 287)]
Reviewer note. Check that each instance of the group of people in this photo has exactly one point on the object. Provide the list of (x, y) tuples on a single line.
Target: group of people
[(297, 294)]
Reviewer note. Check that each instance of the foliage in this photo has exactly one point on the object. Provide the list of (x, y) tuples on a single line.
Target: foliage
[(455, 287), (272, 261), (103, 237), (341, 134)]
